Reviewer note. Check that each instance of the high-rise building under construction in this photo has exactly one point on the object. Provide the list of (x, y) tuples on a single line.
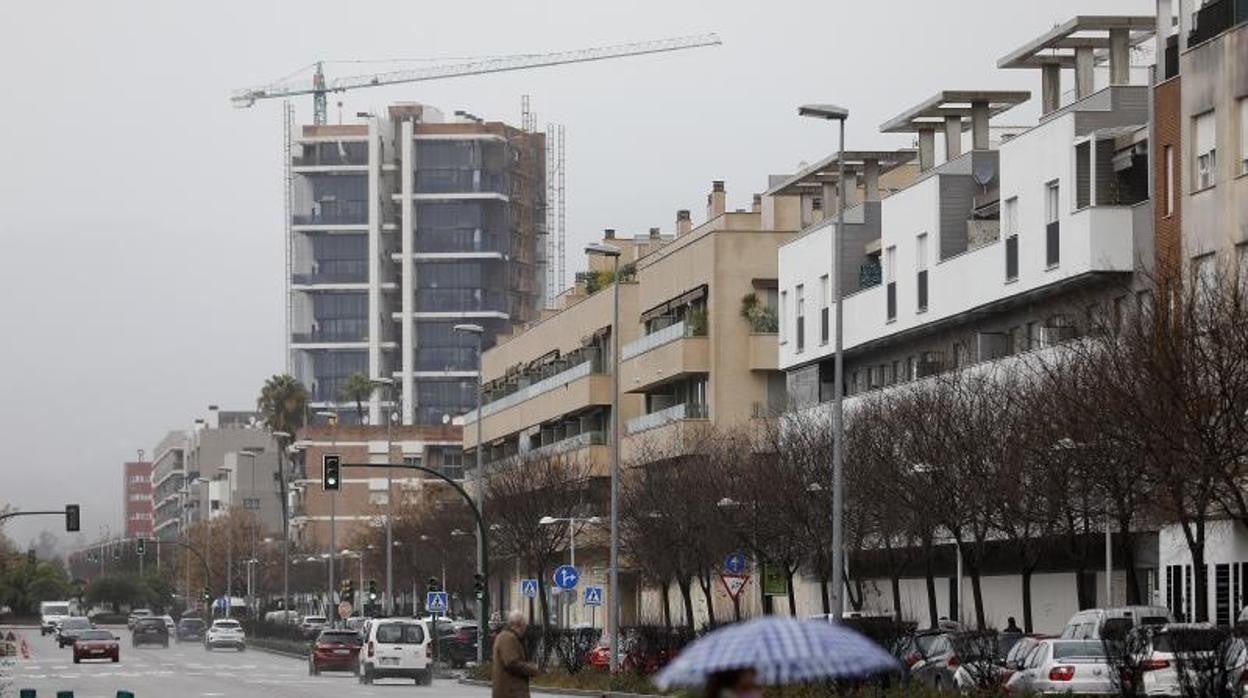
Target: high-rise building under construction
[(402, 226)]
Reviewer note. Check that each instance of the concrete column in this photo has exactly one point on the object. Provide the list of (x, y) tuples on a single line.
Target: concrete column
[(374, 267), (1050, 88), (1084, 73), (1092, 170), (927, 148), (716, 201), (1185, 23), (979, 126), (871, 179), (851, 189), (953, 137), (1119, 57), (831, 198), (407, 284), (1165, 21)]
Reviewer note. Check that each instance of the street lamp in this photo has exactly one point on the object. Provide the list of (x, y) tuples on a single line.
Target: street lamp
[(831, 112), (478, 331), (388, 382), (613, 583)]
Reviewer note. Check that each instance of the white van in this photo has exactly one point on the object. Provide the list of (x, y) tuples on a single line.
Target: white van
[(51, 613), (396, 648), (1093, 623)]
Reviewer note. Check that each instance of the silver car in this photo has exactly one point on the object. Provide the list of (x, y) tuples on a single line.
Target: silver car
[(1064, 666)]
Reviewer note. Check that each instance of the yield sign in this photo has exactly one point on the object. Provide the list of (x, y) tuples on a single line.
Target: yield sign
[(734, 583)]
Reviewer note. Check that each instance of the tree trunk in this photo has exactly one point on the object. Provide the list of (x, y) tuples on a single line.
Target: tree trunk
[(706, 584), (929, 579), (823, 592), (686, 596), (977, 594), (788, 577), (1026, 599), (1200, 581), (667, 604), (1126, 542), (895, 582)]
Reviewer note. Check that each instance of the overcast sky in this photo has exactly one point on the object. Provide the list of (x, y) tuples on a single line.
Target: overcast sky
[(141, 214)]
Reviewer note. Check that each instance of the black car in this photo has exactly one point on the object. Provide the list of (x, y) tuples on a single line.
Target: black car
[(69, 629), (191, 630), (149, 631), (458, 643)]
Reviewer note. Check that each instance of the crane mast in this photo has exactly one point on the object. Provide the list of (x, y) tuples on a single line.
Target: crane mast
[(320, 88)]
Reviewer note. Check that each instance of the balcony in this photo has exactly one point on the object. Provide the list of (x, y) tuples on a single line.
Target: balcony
[(352, 275), (585, 449), (764, 351), (663, 356), (1215, 17), (675, 413), (567, 392)]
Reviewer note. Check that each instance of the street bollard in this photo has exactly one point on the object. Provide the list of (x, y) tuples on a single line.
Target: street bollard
[(125, 694), (26, 693), (64, 694)]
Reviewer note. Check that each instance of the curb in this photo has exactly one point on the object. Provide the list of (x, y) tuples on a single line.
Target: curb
[(281, 653), (552, 690)]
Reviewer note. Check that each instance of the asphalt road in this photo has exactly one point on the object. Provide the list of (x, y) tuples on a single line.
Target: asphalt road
[(189, 670)]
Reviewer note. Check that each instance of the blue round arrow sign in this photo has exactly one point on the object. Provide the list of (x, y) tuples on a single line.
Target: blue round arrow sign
[(566, 577), (735, 564)]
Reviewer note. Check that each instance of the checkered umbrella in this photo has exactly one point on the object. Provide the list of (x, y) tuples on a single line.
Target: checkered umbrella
[(782, 651)]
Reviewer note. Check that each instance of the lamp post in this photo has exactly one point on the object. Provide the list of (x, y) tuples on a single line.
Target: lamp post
[(477, 331), (831, 112), (388, 602), (613, 582), (281, 437), (571, 521)]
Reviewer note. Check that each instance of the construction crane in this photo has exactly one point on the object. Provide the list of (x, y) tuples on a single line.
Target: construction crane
[(320, 88)]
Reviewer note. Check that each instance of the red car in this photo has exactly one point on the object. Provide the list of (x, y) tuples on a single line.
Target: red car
[(335, 650), (96, 644)]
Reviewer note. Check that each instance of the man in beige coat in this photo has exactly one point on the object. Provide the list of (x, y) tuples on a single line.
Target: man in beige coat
[(510, 671)]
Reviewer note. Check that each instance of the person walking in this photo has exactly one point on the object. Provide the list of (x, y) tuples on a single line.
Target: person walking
[(510, 670), (1011, 627)]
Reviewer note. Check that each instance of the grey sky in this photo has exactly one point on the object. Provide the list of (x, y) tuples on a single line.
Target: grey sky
[(140, 214)]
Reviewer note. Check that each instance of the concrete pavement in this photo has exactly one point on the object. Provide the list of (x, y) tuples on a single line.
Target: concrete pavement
[(191, 671)]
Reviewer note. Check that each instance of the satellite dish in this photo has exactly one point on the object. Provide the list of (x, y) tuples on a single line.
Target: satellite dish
[(984, 172)]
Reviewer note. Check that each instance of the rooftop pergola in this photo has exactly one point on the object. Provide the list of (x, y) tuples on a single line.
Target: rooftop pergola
[(869, 164), (1074, 44), (953, 111)]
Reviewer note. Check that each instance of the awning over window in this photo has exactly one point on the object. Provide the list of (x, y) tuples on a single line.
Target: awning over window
[(666, 307)]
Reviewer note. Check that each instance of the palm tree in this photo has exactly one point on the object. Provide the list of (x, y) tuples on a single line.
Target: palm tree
[(357, 388), (283, 404)]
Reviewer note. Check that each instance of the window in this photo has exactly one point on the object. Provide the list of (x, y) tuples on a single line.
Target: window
[(1009, 217), (1169, 193), (824, 302), (1052, 238), (784, 316), (800, 323), (1204, 139), (890, 281), (1243, 135), (920, 265), (1033, 335)]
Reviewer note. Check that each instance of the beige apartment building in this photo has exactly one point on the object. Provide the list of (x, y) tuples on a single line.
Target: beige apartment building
[(689, 359)]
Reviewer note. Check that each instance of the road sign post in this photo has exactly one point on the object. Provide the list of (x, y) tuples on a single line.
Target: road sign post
[(733, 584)]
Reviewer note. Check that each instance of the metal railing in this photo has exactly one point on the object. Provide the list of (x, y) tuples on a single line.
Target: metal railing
[(529, 392), (572, 443), (675, 413), (657, 339)]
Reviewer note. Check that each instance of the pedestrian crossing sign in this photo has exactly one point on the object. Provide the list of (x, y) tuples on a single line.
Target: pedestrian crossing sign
[(435, 602), (593, 596), (528, 588)]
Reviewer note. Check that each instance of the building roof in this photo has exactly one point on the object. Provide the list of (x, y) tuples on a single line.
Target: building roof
[(826, 170), (931, 112), (1057, 45)]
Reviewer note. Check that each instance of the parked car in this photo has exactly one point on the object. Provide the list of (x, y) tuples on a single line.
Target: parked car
[(190, 630), (96, 644), (1190, 648), (135, 615), (149, 631), (225, 632), (335, 650), (1064, 666), (396, 648), (458, 642), (50, 614), (1097, 623), (931, 659), (69, 628), (1013, 660), (310, 626)]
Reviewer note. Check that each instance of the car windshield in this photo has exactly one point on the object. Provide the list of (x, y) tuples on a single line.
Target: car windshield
[(314, 619), (150, 623), (90, 635), (56, 610), (75, 624), (1081, 648), (226, 624), (191, 624), (400, 633), (930, 645), (1194, 640), (338, 636)]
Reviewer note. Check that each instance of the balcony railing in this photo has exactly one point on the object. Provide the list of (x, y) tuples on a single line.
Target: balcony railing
[(535, 389), (345, 276), (1215, 17), (675, 413), (657, 339), (572, 443)]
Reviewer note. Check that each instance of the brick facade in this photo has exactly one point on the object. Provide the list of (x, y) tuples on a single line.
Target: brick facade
[(1168, 225)]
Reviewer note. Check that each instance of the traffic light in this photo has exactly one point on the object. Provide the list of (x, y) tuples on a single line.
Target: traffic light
[(206, 595), (372, 591), (434, 584), (347, 588), (141, 547), (478, 585), (330, 480), (72, 517)]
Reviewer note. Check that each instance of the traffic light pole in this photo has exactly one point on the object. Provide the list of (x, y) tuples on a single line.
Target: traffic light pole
[(483, 554)]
